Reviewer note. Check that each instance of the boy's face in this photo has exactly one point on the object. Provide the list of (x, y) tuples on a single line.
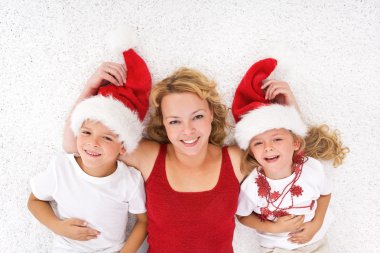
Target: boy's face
[(98, 148)]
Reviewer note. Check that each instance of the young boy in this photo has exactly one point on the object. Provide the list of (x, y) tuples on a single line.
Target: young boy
[(94, 192)]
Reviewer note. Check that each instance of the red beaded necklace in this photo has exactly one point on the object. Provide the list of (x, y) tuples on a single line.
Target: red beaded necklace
[(264, 191)]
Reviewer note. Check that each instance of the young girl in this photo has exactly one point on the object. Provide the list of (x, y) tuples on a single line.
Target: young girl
[(284, 181)]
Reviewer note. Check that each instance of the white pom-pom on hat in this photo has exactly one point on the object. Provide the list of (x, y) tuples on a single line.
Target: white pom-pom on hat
[(121, 39)]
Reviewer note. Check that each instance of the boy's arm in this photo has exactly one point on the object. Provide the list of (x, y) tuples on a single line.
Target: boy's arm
[(138, 234), (309, 229), (283, 224), (75, 229)]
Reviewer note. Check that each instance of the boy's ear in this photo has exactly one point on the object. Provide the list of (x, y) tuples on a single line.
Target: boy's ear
[(122, 150)]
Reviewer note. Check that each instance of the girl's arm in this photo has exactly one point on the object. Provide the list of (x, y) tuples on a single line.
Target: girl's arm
[(280, 93), (137, 236), (75, 229), (283, 224), (309, 229), (107, 72)]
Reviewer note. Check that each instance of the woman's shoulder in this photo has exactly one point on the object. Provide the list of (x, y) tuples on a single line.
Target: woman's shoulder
[(236, 154)]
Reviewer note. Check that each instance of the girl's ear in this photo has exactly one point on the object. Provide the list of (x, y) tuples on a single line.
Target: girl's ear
[(297, 144)]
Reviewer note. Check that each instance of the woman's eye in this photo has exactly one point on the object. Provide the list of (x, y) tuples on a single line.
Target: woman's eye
[(199, 116), (172, 122)]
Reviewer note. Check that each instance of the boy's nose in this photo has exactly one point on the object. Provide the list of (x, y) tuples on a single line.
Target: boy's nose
[(94, 142)]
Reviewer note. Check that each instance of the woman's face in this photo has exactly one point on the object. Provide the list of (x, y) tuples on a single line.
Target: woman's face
[(187, 120)]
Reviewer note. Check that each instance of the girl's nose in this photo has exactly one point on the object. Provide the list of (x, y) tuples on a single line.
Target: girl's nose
[(268, 147)]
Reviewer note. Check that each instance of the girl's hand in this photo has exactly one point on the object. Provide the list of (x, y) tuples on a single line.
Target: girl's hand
[(76, 229), (107, 72), (289, 223), (305, 234), (279, 92)]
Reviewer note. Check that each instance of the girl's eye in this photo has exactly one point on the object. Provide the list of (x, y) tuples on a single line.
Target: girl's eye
[(200, 116), (255, 144)]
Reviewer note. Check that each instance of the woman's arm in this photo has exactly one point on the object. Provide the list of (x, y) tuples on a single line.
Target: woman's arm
[(137, 236), (236, 155)]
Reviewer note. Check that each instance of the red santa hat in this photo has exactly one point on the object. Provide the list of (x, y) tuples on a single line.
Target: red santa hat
[(254, 114), (120, 108)]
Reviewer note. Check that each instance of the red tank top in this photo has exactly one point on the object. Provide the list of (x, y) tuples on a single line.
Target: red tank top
[(191, 222)]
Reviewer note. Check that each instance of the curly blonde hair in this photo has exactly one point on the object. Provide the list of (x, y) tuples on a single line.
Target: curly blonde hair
[(320, 143), (181, 81)]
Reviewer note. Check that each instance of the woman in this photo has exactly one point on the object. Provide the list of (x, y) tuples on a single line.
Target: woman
[(192, 183)]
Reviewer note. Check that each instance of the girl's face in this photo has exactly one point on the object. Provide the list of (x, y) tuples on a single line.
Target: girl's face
[(274, 151), (98, 148), (187, 120)]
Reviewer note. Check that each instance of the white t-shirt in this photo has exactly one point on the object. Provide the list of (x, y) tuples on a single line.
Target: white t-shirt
[(313, 182), (104, 202)]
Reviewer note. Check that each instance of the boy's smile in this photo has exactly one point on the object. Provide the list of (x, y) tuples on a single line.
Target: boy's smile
[(98, 148)]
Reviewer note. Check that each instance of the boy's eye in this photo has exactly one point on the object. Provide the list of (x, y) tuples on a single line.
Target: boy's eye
[(107, 138)]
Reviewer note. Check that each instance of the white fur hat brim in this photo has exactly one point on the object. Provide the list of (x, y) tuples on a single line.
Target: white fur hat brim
[(114, 115), (265, 118)]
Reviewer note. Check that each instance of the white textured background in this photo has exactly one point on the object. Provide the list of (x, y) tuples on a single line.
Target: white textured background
[(329, 52)]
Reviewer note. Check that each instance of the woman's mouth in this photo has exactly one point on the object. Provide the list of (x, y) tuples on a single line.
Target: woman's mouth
[(190, 142)]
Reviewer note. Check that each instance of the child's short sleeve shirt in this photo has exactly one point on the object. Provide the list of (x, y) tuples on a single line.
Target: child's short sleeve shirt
[(313, 182), (103, 202)]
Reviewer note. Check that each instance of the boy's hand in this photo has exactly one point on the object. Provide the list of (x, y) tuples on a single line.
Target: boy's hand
[(305, 234), (76, 229), (279, 92), (107, 72), (289, 223)]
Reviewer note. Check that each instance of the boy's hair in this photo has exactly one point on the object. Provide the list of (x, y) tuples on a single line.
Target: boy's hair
[(181, 81), (320, 143)]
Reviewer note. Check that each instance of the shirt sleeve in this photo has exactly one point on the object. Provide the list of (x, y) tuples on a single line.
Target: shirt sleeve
[(324, 182), (137, 201), (44, 184), (326, 185), (246, 201)]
